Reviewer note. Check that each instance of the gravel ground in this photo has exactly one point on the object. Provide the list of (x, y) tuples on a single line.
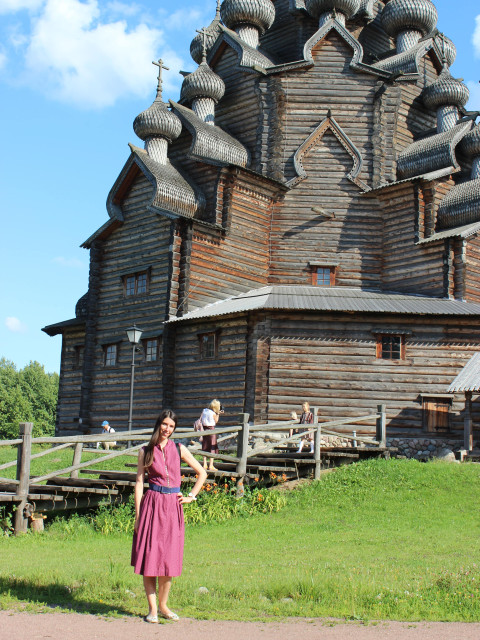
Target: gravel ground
[(75, 626)]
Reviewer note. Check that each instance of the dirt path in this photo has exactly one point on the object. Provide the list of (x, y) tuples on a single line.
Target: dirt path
[(75, 626)]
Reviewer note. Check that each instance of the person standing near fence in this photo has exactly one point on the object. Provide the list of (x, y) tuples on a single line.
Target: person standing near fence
[(306, 418), (209, 419), (157, 548)]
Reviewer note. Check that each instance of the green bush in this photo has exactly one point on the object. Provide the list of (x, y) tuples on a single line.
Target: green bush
[(27, 395)]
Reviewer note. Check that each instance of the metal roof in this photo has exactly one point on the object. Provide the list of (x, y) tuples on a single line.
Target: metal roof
[(324, 299), (469, 377), (55, 329), (459, 232)]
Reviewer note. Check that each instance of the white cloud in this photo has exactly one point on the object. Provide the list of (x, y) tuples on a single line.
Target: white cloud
[(474, 101), (76, 57), (15, 325), (183, 19), (476, 37), (69, 262), (12, 6), (3, 60), (123, 9)]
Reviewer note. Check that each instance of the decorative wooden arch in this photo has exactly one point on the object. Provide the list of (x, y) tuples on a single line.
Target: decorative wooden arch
[(347, 144)]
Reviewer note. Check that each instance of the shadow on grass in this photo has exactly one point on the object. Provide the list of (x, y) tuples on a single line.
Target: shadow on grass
[(55, 595)]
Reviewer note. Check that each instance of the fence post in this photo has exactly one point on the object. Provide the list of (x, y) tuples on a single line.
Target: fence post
[(24, 452), (467, 423), (317, 449), (382, 425), (242, 449), (77, 458)]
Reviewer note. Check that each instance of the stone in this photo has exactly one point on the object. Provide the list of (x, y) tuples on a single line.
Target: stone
[(446, 454), (202, 591)]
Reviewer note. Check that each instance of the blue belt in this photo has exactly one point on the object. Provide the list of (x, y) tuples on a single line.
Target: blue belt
[(159, 489)]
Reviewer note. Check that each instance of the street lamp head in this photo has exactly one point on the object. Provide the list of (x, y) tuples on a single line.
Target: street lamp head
[(134, 334)]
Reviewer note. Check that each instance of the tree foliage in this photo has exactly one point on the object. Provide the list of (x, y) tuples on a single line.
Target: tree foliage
[(27, 395)]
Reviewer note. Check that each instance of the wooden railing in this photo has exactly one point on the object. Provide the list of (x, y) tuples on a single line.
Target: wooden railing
[(24, 482)]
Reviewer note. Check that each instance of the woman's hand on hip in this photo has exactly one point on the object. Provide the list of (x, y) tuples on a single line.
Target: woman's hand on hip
[(185, 499)]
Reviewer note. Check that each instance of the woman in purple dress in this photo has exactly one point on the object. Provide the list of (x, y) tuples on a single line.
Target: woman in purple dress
[(157, 550)]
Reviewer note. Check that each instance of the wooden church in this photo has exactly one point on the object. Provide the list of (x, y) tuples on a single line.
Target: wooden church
[(303, 224)]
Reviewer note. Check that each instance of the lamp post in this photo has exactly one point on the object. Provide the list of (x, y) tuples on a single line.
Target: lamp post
[(134, 335)]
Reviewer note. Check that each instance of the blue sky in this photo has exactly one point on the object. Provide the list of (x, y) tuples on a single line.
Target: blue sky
[(73, 76)]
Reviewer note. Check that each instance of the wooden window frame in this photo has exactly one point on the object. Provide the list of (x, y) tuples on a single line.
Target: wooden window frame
[(327, 267), (106, 348), (379, 346), (145, 343), (79, 356), (208, 334), (427, 406), (137, 276)]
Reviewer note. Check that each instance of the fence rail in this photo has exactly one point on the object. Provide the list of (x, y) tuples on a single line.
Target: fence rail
[(24, 482)]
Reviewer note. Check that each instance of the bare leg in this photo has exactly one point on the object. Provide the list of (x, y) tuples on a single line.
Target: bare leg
[(164, 584), (150, 585), (204, 462)]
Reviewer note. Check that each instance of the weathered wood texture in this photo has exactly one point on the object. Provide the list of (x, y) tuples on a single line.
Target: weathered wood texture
[(337, 357), (69, 395), (140, 244), (198, 382), (407, 266), (469, 284)]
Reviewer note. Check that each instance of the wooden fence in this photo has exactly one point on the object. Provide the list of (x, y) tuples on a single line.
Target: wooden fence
[(30, 488)]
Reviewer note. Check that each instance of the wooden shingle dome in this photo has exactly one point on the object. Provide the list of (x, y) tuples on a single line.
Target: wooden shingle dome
[(202, 83), (406, 15), (318, 7), (445, 91), (258, 13), (157, 121)]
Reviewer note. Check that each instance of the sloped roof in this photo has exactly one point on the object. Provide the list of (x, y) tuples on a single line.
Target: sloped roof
[(408, 61), (431, 154), (327, 299), (55, 329), (461, 205), (249, 57), (469, 377), (211, 143), (458, 232)]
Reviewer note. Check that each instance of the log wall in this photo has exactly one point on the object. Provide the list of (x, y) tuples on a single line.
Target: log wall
[(141, 243), (471, 278), (69, 393), (409, 267), (330, 361), (198, 382)]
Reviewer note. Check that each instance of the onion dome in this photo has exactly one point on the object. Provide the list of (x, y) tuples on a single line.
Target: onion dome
[(202, 83), (470, 144), (445, 91), (211, 34), (81, 308), (257, 13), (406, 15), (157, 121), (316, 8), (447, 48)]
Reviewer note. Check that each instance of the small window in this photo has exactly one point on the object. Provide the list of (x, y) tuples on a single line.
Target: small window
[(391, 347), (151, 349), (208, 345), (79, 352), (135, 284), (436, 413), (110, 355), (323, 276)]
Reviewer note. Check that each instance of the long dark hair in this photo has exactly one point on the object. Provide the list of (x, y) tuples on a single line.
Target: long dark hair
[(148, 457)]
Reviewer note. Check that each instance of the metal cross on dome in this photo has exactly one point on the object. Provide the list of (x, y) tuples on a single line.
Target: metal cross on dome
[(203, 33), (160, 66)]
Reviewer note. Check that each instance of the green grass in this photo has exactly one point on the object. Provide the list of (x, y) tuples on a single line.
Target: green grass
[(60, 460), (378, 540)]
